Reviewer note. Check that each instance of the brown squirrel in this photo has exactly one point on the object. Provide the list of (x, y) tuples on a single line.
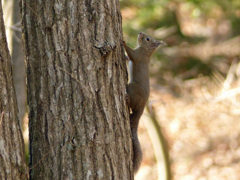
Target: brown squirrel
[(138, 87)]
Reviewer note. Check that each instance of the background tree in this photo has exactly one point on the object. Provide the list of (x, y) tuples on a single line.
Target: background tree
[(12, 21), (76, 77), (12, 158)]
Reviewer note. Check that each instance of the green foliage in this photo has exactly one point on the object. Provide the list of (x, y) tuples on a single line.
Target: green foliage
[(195, 22)]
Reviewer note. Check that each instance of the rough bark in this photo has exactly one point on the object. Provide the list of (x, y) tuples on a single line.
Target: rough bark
[(12, 157), (12, 19), (76, 77)]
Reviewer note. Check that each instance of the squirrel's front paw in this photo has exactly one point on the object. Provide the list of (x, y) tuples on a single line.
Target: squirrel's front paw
[(127, 98), (123, 43)]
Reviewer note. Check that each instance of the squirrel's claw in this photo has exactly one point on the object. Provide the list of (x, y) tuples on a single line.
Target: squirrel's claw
[(127, 98), (123, 43)]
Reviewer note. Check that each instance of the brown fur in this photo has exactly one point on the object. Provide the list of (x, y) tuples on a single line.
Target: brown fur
[(138, 87)]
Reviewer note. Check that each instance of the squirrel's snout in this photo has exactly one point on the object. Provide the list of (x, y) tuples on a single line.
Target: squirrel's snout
[(162, 43)]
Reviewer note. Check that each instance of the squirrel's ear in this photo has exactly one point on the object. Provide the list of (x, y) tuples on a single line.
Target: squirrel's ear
[(140, 38)]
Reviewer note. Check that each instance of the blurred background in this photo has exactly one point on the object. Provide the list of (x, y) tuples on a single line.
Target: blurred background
[(191, 123), (195, 88)]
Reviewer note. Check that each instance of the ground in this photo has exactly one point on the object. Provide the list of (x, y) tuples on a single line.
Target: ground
[(201, 126)]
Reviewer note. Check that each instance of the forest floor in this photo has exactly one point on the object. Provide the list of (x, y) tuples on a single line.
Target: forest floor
[(201, 126)]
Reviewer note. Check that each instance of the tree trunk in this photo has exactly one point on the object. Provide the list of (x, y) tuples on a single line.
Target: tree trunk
[(12, 157), (12, 21), (76, 77)]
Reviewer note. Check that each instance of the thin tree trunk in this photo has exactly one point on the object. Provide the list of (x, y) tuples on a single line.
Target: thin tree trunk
[(12, 21), (12, 157), (76, 77)]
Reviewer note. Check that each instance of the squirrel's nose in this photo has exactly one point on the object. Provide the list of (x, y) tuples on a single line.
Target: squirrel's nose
[(163, 43)]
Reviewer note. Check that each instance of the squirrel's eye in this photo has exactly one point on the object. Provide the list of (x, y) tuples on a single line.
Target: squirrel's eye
[(148, 39)]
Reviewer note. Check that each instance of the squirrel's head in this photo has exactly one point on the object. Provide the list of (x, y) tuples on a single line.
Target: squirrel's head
[(148, 42)]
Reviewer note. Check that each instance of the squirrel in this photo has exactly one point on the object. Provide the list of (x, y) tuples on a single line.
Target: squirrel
[(138, 86)]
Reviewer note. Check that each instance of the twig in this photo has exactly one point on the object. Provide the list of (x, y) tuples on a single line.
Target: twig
[(230, 75), (228, 94), (31, 9), (14, 28), (68, 74)]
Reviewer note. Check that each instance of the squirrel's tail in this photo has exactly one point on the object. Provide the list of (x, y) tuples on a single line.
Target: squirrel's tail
[(137, 152), (137, 157)]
